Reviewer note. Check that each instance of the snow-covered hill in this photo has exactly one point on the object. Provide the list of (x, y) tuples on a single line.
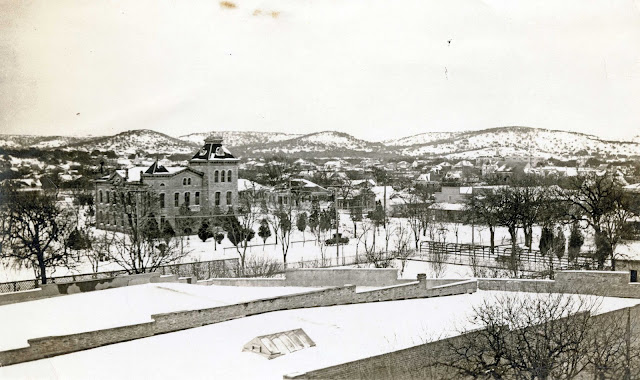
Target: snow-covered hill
[(422, 138), (139, 140), (503, 141), (538, 142), (239, 138), (319, 142), (40, 142)]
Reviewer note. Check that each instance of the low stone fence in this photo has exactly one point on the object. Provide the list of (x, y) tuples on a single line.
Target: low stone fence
[(599, 283), (319, 277), (60, 289), (175, 321)]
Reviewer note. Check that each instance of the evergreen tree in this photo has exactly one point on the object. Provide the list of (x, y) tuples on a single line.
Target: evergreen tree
[(546, 240), (204, 232), (559, 241), (301, 223), (576, 240), (264, 232)]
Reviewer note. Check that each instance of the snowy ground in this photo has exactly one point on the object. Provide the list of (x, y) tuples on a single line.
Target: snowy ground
[(341, 334), (117, 307), (299, 249)]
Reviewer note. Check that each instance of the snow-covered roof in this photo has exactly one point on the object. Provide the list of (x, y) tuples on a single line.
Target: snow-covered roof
[(245, 184), (635, 188), (133, 173), (340, 333), (379, 192), (358, 182), (445, 206)]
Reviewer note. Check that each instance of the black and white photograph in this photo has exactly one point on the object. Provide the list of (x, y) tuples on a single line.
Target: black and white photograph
[(320, 189)]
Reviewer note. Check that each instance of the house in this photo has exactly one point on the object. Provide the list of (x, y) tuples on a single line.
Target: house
[(453, 194), (299, 190), (359, 194), (254, 190), (209, 181)]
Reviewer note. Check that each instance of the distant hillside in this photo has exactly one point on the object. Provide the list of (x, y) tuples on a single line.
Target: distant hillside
[(40, 142), (327, 141), (502, 141), (523, 140), (139, 140), (422, 138), (239, 138)]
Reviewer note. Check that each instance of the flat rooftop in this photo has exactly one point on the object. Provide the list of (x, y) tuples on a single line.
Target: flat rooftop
[(117, 307), (341, 333)]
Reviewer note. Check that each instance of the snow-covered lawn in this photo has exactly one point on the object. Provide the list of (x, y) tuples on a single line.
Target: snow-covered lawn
[(301, 250)]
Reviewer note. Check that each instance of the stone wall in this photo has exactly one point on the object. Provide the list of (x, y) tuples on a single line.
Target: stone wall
[(319, 277), (600, 283), (54, 290)]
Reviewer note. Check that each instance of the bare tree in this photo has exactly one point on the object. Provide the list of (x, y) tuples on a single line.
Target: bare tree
[(543, 336), (33, 231), (402, 246), (142, 247), (600, 201), (531, 336)]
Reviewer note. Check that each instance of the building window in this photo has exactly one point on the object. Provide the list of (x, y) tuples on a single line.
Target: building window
[(215, 176), (100, 220), (228, 198), (222, 176), (162, 220), (217, 198), (188, 181), (187, 198), (184, 182), (197, 200), (176, 200), (161, 200), (108, 198), (100, 195), (229, 176)]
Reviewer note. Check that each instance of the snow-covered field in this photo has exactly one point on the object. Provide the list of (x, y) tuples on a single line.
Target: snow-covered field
[(303, 247), (341, 334)]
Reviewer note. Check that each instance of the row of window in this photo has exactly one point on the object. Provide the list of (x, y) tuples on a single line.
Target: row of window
[(221, 174), (187, 199), (112, 219), (111, 198)]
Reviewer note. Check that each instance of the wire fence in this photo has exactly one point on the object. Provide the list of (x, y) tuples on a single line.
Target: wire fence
[(531, 261), (199, 270)]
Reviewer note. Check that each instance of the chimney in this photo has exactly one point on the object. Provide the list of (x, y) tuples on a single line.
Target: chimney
[(141, 179), (422, 279)]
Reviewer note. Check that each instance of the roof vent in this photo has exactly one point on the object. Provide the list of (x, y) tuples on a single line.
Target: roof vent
[(278, 344)]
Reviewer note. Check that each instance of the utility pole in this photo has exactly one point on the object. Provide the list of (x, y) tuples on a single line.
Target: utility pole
[(335, 206)]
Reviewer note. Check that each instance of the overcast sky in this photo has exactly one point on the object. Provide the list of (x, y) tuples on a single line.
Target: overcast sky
[(373, 68)]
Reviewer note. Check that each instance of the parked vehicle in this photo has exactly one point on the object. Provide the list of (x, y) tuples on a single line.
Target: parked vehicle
[(337, 239)]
